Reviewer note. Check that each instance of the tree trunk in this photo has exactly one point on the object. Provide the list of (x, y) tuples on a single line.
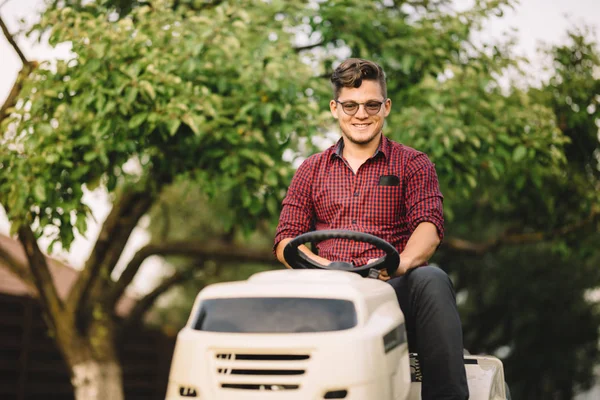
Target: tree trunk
[(95, 380), (92, 357)]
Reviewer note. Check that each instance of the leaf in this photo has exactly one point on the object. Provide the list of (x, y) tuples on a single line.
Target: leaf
[(137, 120), (111, 105), (173, 126), (471, 180), (133, 70), (267, 111), (519, 153), (93, 65), (52, 158), (39, 191), (44, 129), (81, 223), (99, 49), (90, 156), (194, 122), (266, 159), (131, 95), (148, 89)]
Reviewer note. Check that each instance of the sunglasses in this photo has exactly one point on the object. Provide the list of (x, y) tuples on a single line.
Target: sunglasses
[(372, 107)]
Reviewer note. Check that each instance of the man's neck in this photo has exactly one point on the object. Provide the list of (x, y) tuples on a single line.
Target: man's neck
[(357, 152)]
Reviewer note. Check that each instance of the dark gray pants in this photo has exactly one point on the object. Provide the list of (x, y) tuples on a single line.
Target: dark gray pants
[(427, 299)]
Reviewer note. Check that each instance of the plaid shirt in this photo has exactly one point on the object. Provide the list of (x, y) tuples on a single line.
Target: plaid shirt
[(391, 193)]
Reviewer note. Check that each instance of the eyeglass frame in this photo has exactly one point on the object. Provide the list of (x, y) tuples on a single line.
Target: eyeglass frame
[(381, 103)]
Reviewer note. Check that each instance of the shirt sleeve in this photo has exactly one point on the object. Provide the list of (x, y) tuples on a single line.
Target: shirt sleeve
[(423, 196), (298, 210)]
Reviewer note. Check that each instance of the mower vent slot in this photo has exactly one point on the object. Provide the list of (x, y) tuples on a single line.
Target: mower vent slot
[(262, 357), (261, 387), (261, 372)]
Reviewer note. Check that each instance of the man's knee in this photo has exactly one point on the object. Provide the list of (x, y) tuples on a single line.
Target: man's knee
[(430, 279)]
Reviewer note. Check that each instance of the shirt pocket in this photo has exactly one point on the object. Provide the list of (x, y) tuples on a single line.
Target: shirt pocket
[(384, 204)]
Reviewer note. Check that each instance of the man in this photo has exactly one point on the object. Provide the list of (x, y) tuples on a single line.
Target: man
[(371, 184)]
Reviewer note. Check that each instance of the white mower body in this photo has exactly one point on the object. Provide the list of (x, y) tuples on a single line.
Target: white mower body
[(304, 335)]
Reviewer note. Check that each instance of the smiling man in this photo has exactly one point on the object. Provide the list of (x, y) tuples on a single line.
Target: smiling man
[(369, 183)]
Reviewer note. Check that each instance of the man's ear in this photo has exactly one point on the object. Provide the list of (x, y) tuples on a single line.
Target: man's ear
[(333, 108), (388, 106)]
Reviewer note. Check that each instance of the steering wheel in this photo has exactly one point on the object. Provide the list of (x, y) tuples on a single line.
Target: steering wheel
[(298, 260)]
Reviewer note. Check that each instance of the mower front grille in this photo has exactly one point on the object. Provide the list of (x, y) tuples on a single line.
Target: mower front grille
[(259, 371)]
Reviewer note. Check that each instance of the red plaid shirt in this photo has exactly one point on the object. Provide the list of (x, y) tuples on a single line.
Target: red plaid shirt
[(391, 193)]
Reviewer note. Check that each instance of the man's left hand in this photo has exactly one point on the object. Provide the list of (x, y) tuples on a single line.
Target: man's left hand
[(383, 274)]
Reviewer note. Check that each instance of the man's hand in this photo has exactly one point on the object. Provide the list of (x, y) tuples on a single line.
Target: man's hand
[(383, 274), (302, 248), (420, 247)]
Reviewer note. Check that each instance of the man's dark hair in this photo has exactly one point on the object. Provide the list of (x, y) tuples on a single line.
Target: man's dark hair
[(351, 73)]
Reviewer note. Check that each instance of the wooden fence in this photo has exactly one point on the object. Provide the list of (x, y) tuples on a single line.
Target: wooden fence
[(32, 368)]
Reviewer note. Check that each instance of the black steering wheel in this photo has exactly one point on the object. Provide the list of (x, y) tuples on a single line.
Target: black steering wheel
[(298, 260)]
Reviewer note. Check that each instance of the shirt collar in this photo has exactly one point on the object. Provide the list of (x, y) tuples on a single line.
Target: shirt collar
[(384, 148)]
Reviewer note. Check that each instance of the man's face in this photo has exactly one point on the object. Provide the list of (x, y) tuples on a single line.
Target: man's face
[(361, 128)]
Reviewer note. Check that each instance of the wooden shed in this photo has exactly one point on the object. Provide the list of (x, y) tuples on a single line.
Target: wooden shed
[(32, 368)]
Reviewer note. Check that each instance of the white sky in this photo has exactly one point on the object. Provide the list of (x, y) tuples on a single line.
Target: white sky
[(536, 21)]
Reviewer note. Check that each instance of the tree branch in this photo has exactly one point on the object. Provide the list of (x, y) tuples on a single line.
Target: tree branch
[(16, 267), (308, 47), (113, 237), (12, 42), (11, 100), (145, 303), (38, 266), (205, 250), (209, 5), (5, 2), (28, 67), (506, 238)]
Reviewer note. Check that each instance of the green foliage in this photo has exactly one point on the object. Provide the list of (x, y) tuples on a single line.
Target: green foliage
[(447, 98), (486, 145), (572, 92), (527, 304), (169, 92), (532, 301)]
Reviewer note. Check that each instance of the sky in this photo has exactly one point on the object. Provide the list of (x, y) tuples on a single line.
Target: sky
[(536, 21)]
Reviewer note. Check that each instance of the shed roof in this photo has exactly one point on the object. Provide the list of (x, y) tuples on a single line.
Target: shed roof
[(63, 275)]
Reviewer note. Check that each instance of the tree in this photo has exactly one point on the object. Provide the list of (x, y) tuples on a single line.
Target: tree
[(526, 287), (175, 93)]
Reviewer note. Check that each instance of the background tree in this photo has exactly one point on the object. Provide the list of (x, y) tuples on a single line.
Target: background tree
[(531, 301), (184, 214)]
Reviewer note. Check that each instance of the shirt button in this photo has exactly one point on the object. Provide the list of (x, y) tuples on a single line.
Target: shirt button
[(353, 221), (356, 194)]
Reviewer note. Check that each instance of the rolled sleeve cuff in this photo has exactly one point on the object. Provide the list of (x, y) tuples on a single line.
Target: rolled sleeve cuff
[(438, 221)]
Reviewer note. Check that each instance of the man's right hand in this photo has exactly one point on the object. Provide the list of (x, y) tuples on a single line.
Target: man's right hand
[(281, 245)]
